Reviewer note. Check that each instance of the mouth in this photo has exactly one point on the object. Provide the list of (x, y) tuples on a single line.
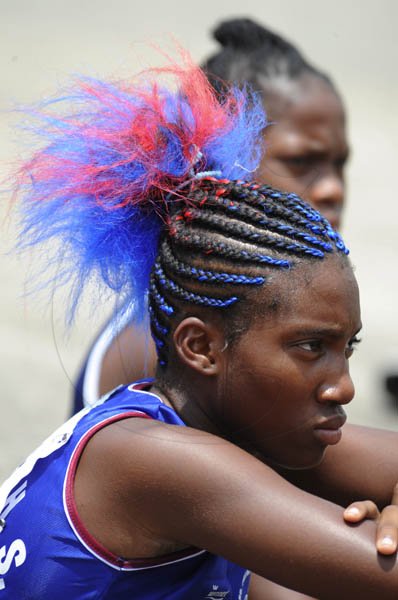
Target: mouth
[(329, 431)]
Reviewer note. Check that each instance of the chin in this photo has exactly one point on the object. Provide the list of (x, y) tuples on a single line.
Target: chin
[(298, 463)]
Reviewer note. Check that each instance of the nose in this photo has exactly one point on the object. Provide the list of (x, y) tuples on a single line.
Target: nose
[(327, 196), (338, 388)]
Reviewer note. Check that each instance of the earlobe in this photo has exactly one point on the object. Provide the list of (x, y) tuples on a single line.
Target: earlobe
[(198, 345)]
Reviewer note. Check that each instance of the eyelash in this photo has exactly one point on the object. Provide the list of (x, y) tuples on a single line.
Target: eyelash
[(300, 162), (306, 162), (353, 343), (317, 345)]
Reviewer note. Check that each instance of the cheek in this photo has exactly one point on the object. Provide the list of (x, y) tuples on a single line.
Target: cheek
[(270, 401), (251, 393)]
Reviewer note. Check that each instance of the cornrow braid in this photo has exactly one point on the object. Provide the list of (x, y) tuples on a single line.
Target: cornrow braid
[(293, 201), (289, 205), (158, 307), (186, 270), (182, 294), (270, 208), (247, 232), (229, 235), (223, 249)]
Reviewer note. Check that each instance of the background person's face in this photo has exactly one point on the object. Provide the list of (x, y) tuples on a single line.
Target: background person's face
[(306, 146)]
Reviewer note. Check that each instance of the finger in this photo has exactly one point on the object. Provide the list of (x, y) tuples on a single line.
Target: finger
[(394, 500), (357, 511), (387, 531)]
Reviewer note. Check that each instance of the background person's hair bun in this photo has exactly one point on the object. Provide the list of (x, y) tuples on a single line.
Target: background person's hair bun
[(246, 34), (251, 53)]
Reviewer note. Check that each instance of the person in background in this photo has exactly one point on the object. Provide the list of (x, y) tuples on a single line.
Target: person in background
[(306, 143)]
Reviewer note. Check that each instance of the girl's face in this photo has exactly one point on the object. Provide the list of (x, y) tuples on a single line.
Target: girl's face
[(306, 145), (287, 378)]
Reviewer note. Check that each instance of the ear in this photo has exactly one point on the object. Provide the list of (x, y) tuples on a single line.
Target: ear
[(199, 345)]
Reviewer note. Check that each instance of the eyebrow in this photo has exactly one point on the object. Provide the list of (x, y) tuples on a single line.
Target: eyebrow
[(328, 330), (318, 152)]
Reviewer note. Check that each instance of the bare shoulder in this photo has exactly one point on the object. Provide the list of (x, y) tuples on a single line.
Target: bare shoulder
[(139, 481), (153, 451)]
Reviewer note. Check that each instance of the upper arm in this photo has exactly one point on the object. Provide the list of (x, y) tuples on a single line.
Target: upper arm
[(195, 489)]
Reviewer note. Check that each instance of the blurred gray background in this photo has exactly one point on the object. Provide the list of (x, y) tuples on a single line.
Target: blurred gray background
[(43, 41)]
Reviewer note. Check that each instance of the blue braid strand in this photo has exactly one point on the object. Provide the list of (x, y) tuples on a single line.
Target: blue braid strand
[(198, 274), (286, 229), (180, 292), (162, 330), (160, 301)]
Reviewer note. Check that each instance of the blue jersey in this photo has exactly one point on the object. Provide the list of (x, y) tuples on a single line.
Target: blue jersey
[(46, 553)]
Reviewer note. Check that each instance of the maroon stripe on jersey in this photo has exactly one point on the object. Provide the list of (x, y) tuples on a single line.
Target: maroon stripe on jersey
[(89, 541)]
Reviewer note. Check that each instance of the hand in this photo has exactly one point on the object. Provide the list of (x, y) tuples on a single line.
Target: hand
[(387, 521)]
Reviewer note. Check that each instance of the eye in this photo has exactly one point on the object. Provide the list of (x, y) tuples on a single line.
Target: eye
[(352, 344), (314, 346), (300, 164), (340, 163)]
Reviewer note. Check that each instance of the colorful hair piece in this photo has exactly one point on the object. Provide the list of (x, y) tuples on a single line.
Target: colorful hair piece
[(125, 183), (117, 158)]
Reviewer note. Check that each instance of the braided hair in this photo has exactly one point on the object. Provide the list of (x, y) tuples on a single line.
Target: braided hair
[(252, 53), (146, 189), (227, 240)]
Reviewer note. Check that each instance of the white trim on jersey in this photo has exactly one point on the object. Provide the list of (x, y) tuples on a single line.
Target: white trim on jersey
[(92, 374)]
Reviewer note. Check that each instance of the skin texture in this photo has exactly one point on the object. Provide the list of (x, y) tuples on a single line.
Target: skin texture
[(311, 367), (307, 344), (165, 487)]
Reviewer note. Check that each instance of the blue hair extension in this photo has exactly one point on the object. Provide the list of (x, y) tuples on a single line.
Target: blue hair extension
[(114, 161)]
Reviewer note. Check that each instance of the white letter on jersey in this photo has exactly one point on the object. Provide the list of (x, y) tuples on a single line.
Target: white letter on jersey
[(16, 553), (13, 499)]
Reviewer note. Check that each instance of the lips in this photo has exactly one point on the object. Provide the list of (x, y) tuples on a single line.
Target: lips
[(328, 431)]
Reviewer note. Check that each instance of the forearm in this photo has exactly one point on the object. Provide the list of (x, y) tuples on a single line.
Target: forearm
[(217, 497), (277, 531)]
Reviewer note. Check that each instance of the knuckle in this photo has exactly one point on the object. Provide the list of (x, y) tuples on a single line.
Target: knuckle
[(371, 507)]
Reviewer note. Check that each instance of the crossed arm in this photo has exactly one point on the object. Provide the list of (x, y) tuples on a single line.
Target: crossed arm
[(193, 489), (363, 465)]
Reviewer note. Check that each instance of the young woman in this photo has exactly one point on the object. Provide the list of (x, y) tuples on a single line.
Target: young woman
[(170, 488), (306, 151)]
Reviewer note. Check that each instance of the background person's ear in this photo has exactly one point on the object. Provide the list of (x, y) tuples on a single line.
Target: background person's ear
[(199, 345)]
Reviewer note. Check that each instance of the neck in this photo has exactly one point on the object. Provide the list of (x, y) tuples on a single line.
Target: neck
[(194, 408)]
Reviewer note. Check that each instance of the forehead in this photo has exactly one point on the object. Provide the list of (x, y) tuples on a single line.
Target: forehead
[(315, 295), (306, 112)]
